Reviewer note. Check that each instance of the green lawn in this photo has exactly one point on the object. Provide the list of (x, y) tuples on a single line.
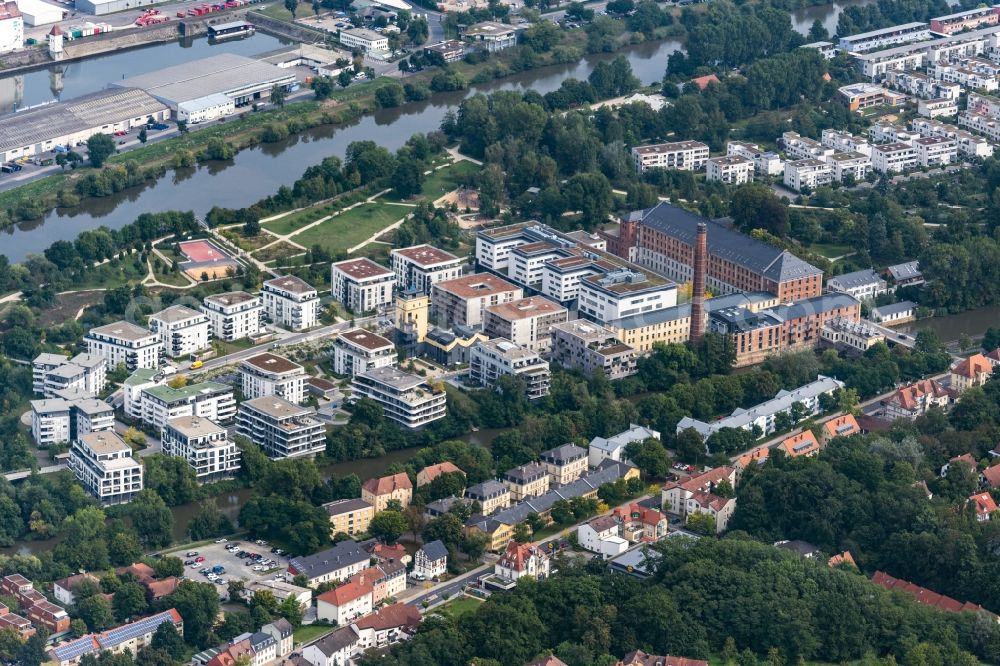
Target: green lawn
[(351, 227), (290, 223), (443, 181), (831, 251), (458, 607), (310, 632)]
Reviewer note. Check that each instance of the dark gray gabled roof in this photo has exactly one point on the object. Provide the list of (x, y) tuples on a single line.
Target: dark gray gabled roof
[(435, 550), (855, 279), (342, 555), (564, 454), (772, 262), (893, 308), (486, 490), (337, 641)]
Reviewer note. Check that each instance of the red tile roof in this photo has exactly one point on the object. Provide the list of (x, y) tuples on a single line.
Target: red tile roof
[(973, 366), (635, 511), (925, 596), (517, 555), (346, 593), (909, 397), (432, 472), (802, 444), (992, 476), (386, 484), (161, 588), (703, 81), (703, 481), (842, 426), (967, 459), (842, 558), (984, 503), (390, 617)]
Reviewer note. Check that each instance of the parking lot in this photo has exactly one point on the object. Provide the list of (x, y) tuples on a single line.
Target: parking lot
[(244, 568)]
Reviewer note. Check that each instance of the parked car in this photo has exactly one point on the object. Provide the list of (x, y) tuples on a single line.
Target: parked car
[(191, 553)]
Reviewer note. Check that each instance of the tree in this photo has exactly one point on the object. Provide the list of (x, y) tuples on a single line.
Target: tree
[(279, 93), (151, 519), (198, 605), (124, 549), (99, 148), (143, 136), (96, 612), (387, 526), (689, 446), (649, 456), (447, 529), (701, 523), (168, 566), (167, 639), (291, 6), (182, 126), (389, 95), (474, 545), (343, 78), (590, 193), (129, 601), (756, 206), (291, 610), (209, 523), (818, 32), (32, 653), (408, 178)]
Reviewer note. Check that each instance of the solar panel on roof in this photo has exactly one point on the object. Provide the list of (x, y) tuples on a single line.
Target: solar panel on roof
[(138, 628), (74, 649)]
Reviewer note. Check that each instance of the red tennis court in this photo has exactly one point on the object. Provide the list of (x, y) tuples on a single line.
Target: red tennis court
[(202, 251)]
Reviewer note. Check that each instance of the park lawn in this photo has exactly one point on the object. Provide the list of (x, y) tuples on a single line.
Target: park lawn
[(166, 276), (442, 181), (831, 251), (351, 227), (114, 274), (307, 633), (294, 221), (458, 607), (277, 251)]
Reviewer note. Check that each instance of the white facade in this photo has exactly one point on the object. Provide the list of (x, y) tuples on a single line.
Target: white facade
[(210, 400), (205, 446), (845, 142), (932, 108), (880, 39), (849, 164), (181, 330), (103, 463), (291, 303), (432, 561), (863, 285), (491, 360), (798, 147), (366, 40), (124, 343), (234, 316), (601, 536), (406, 399), (811, 173), (682, 155), (732, 170), (83, 374), (362, 285), (893, 158), (526, 322), (347, 610), (420, 266), (206, 109), (358, 351), (268, 374), (613, 448), (11, 27), (883, 132), (50, 422), (968, 144), (280, 428), (531, 562), (623, 293), (967, 77), (935, 151)]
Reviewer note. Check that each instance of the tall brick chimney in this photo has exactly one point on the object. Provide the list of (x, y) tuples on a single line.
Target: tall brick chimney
[(698, 285)]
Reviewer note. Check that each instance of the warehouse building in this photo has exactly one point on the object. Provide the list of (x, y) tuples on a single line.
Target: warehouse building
[(36, 12), (11, 27), (101, 7), (195, 91), (41, 129)]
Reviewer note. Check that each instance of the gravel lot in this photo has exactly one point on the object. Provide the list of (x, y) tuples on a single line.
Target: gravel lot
[(236, 567)]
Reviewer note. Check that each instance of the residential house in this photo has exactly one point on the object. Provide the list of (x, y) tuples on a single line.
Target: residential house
[(234, 315), (291, 302), (640, 658), (387, 580), (966, 458), (492, 495), (123, 343), (181, 330), (731, 169), (357, 351), (911, 401), (973, 371), (64, 590), (526, 322), (349, 516), (21, 625), (602, 536), (464, 300), (420, 266), (640, 523), (334, 649), (431, 560), (362, 285), (333, 564), (528, 480), (565, 463), (84, 373), (840, 559), (984, 505), (906, 274), (493, 359), (863, 285), (431, 472), (281, 631), (131, 637), (990, 477), (520, 560), (613, 448), (407, 399), (268, 374), (928, 597), (842, 426), (345, 603), (281, 591), (387, 625), (380, 491), (801, 445), (103, 463), (204, 445), (592, 348), (281, 429), (680, 155), (696, 495), (894, 313)]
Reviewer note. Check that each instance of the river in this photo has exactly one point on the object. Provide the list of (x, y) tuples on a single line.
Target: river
[(259, 171), (950, 327), (828, 15)]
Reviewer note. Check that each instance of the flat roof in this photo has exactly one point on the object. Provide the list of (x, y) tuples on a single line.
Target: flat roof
[(272, 405), (269, 362), (176, 313), (362, 269), (885, 31), (222, 73), (401, 381), (290, 283), (231, 298), (169, 394), (655, 148), (104, 442), (525, 308), (81, 114), (362, 338), (426, 255), (194, 426), (489, 28), (476, 285), (121, 329)]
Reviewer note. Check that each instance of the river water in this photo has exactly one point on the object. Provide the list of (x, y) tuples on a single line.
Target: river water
[(828, 15)]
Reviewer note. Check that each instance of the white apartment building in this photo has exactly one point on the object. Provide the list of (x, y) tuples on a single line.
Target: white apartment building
[(968, 144), (624, 292), (11, 27), (811, 173), (561, 277), (863, 285), (90, 415), (125, 344), (682, 155), (981, 124), (850, 164), (526, 322), (732, 170), (269, 374), (281, 429), (922, 85), (933, 108), (357, 351), (845, 142), (406, 399), (103, 463), (970, 78), (491, 360), (527, 262), (984, 104), (364, 39), (362, 285), (291, 302), (420, 266), (181, 330), (209, 400), (765, 163), (798, 147), (234, 315), (205, 445), (84, 373), (464, 300), (935, 150), (882, 132), (893, 158), (884, 37), (50, 422)]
